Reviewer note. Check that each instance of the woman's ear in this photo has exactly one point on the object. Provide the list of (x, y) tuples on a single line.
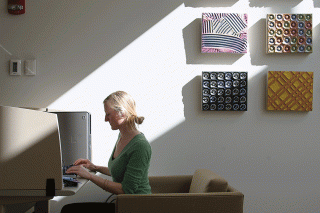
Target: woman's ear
[(122, 115)]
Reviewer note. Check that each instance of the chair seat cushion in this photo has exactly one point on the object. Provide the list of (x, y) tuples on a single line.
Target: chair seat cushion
[(207, 181)]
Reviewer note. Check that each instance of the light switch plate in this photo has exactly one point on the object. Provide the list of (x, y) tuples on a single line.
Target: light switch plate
[(15, 67), (30, 67)]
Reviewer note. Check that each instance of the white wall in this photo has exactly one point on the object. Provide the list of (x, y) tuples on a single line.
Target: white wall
[(87, 49)]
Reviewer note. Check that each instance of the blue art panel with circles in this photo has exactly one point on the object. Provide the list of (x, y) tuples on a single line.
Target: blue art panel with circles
[(224, 91)]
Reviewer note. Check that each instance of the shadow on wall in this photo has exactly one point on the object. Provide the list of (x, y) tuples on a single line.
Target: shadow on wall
[(316, 3), (316, 46), (206, 3), (65, 41), (78, 40), (192, 144), (192, 46), (279, 5)]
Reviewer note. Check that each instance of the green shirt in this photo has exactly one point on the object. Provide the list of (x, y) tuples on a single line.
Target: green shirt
[(131, 166)]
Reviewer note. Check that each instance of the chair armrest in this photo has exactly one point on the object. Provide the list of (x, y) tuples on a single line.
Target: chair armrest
[(227, 202), (231, 189), (170, 184)]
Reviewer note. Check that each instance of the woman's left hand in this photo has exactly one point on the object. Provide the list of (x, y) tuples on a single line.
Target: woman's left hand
[(79, 170)]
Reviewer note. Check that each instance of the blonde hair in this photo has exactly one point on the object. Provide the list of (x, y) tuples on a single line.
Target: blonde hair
[(123, 103)]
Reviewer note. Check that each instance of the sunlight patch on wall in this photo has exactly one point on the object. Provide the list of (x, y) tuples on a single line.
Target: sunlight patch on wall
[(152, 69), (5, 50)]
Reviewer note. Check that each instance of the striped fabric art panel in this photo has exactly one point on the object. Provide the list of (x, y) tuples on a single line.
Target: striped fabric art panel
[(224, 33)]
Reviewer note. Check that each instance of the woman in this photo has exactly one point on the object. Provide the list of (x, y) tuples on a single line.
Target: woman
[(129, 162)]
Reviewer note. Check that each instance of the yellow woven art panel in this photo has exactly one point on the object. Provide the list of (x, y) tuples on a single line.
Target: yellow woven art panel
[(290, 91)]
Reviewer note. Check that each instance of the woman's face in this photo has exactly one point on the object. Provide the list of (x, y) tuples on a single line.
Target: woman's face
[(115, 119)]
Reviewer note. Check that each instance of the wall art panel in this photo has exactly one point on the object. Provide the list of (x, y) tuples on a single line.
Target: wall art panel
[(224, 33), (290, 91), (224, 91), (289, 33)]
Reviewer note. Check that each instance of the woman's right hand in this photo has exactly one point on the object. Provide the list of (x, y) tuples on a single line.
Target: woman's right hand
[(86, 163)]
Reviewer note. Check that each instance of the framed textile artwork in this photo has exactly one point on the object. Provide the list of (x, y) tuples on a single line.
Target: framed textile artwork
[(224, 91), (289, 33), (224, 33), (290, 91)]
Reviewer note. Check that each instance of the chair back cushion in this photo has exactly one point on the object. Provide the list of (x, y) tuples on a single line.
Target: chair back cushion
[(207, 181)]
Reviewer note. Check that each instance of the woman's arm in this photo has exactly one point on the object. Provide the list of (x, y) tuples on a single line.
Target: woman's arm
[(87, 164), (103, 170), (110, 186)]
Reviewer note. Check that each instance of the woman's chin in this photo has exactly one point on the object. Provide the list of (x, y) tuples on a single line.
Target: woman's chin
[(113, 128)]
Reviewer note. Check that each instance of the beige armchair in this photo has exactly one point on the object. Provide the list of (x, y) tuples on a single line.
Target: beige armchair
[(204, 191)]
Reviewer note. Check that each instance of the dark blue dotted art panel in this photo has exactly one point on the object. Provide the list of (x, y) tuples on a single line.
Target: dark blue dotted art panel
[(224, 91)]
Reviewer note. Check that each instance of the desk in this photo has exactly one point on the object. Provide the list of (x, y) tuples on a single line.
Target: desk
[(38, 196)]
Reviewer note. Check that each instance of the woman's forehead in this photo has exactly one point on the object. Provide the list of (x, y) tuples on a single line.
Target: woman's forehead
[(107, 107)]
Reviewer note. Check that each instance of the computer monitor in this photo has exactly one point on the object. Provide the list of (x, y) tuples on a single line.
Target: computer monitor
[(75, 135)]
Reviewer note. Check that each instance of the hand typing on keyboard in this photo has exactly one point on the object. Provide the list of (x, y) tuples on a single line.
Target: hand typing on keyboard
[(86, 163), (79, 170), (65, 168)]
